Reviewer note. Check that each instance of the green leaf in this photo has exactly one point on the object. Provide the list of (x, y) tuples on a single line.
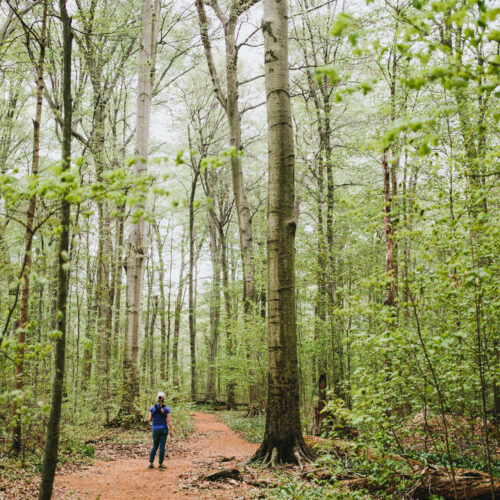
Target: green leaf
[(341, 23)]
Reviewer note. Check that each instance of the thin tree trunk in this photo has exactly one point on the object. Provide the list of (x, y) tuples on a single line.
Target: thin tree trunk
[(177, 321), (145, 350), (77, 354), (117, 285), (89, 294), (28, 235), (151, 346), (390, 291), (214, 305), (192, 332), (169, 314), (52, 442), (162, 304), (320, 313), (390, 192), (228, 315)]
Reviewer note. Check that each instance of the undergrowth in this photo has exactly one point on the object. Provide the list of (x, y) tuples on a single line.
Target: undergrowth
[(251, 428), (78, 437), (298, 490)]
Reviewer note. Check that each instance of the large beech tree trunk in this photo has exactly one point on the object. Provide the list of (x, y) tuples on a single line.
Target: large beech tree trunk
[(283, 441), (28, 235), (138, 239), (52, 442)]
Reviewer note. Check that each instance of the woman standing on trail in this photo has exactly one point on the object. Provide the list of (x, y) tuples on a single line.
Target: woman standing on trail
[(159, 414)]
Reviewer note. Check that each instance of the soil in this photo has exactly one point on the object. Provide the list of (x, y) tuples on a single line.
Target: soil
[(211, 447)]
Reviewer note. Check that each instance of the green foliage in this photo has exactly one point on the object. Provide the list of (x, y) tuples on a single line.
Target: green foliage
[(299, 489), (464, 462), (417, 82), (251, 428)]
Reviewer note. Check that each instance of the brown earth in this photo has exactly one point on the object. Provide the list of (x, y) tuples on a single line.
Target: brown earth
[(212, 446)]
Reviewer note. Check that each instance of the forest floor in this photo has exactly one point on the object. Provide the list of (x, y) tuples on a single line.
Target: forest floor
[(211, 447), (346, 469)]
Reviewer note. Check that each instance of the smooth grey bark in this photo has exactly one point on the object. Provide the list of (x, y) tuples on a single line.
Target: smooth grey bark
[(283, 441), (139, 239)]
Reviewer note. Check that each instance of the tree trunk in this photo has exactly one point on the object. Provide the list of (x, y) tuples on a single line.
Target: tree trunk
[(151, 346), (103, 296), (283, 441), (227, 309), (240, 198), (214, 304), (144, 356), (390, 192), (320, 314), (169, 314), (138, 240), (177, 321), (162, 304), (390, 291), (28, 236), (89, 294), (117, 285), (192, 332), (52, 442), (230, 105)]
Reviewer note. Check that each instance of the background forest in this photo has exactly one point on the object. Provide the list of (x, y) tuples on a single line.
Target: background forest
[(395, 114)]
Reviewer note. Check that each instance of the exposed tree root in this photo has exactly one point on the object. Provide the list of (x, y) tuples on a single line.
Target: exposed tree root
[(273, 455)]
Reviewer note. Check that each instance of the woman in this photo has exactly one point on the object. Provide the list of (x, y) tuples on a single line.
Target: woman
[(159, 414)]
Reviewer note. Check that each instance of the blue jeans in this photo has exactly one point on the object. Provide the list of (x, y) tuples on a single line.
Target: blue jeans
[(159, 439)]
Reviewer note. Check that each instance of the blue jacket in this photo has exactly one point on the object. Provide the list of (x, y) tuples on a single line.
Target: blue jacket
[(159, 418)]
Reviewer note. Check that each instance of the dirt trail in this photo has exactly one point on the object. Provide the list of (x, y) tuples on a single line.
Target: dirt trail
[(130, 478)]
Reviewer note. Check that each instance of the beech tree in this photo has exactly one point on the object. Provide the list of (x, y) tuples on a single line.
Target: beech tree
[(138, 242), (283, 441)]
